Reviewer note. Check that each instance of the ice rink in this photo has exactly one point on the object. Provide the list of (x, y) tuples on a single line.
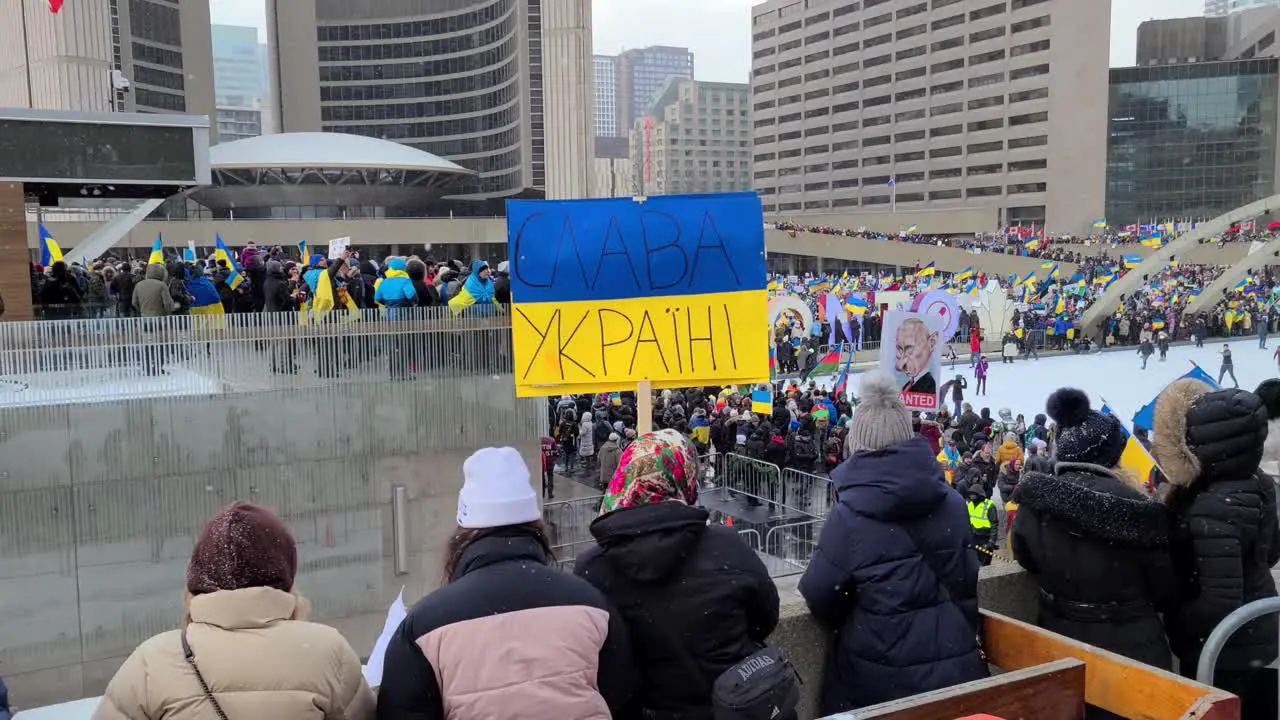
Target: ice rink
[(1115, 376)]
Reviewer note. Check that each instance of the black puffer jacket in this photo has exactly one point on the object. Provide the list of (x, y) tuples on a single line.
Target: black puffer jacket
[(1099, 550), (674, 578), (1209, 443)]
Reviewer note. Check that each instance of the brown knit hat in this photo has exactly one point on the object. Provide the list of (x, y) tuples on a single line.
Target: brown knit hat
[(244, 545)]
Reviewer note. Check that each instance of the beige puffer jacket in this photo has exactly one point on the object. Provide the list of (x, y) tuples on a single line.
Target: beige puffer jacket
[(259, 656)]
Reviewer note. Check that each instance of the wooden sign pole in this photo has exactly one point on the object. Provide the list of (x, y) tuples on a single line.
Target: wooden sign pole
[(644, 407)]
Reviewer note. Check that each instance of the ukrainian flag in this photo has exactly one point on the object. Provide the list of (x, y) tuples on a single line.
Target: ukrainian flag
[(1158, 324), (762, 401), (157, 253), (50, 253), (302, 250), (1062, 305), (1131, 261), (857, 304), (220, 252), (1055, 272), (927, 270), (1173, 262), (964, 274), (1032, 244), (912, 228), (1135, 457), (1244, 282), (971, 288), (1100, 222), (1046, 264)]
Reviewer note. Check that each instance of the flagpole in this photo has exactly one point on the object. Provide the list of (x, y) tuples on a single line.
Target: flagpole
[(893, 195), (26, 54)]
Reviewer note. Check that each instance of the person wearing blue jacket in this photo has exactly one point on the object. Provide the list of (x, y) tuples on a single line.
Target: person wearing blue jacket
[(396, 289), (205, 298), (895, 573), (5, 713)]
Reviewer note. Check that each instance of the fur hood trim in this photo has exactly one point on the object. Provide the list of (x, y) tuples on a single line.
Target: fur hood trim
[(1097, 502), (1169, 441)]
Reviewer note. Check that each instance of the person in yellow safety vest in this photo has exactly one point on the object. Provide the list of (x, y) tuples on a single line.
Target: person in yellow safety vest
[(984, 521), (949, 459)]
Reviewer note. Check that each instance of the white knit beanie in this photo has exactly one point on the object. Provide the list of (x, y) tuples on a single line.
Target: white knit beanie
[(496, 490), (880, 420)]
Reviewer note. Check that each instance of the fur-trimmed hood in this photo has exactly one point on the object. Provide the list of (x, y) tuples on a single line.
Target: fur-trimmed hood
[(1206, 433), (1097, 502)]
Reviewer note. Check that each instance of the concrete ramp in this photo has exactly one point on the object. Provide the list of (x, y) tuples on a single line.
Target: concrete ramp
[(111, 232), (888, 252)]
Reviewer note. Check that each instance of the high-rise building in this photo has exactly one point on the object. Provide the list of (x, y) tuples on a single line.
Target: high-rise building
[(643, 74), (605, 68), (135, 56), (1215, 8), (1192, 140), (696, 139), (1246, 34), (499, 86), (237, 66), (239, 69), (902, 105)]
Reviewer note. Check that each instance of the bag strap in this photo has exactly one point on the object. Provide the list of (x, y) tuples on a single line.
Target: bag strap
[(191, 660)]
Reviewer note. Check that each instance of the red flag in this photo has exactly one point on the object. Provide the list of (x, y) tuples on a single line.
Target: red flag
[(55, 6)]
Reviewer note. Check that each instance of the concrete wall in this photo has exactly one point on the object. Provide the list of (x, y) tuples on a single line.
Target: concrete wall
[(101, 502), (1228, 254), (959, 220)]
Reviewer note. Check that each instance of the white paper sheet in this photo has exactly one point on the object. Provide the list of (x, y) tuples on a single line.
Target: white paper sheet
[(395, 615)]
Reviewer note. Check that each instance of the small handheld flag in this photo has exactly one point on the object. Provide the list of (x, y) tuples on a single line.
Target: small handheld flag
[(55, 6), (220, 252), (762, 401)]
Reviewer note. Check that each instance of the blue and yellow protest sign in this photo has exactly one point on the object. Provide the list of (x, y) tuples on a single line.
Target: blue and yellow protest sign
[(608, 293)]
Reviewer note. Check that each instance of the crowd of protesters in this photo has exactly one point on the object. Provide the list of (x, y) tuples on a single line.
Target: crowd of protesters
[(662, 593), (260, 279)]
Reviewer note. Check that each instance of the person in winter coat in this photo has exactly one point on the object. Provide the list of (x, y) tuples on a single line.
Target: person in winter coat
[(1008, 478), (1209, 444), (1097, 546), (1008, 450), (396, 292), (956, 386), (507, 635), (894, 571), (244, 635), (984, 521), (610, 454), (151, 296), (676, 579), (948, 458), (980, 372), (1038, 457), (122, 288), (988, 469), (203, 295), (276, 293), (1145, 348), (586, 439)]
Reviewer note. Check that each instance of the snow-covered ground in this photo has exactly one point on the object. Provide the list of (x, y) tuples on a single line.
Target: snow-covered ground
[(102, 385), (1116, 377)]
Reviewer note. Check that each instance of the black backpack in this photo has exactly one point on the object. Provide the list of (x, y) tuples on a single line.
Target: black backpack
[(762, 686)]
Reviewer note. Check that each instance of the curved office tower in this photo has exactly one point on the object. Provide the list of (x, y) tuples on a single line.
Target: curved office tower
[(463, 79)]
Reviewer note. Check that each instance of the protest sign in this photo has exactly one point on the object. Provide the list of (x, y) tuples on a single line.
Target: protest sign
[(337, 245), (914, 356), (609, 293)]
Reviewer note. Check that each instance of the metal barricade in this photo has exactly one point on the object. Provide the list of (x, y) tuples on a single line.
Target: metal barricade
[(569, 524), (791, 546), (811, 494), (1217, 640)]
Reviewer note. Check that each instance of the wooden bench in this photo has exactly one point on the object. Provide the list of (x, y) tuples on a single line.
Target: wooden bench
[(1050, 677)]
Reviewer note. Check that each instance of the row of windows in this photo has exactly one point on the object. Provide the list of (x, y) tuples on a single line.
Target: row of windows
[(144, 75), (485, 125), (154, 99), (157, 23), (444, 107), (473, 18), (908, 156), (459, 65), (470, 42), (902, 197), (156, 56), (436, 88)]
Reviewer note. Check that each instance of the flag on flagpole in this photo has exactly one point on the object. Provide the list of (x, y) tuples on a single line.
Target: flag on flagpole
[(1135, 457), (927, 270), (842, 382), (157, 252), (50, 253), (220, 252), (302, 248), (55, 6)]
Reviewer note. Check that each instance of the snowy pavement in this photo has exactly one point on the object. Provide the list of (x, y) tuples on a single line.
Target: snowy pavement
[(1115, 376)]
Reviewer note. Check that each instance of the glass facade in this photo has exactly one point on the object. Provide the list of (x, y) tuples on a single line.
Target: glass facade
[(158, 73), (451, 85), (1193, 140)]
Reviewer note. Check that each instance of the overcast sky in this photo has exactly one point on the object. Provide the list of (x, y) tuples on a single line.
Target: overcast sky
[(718, 31)]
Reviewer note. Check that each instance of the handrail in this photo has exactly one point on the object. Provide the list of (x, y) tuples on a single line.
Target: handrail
[(1222, 633)]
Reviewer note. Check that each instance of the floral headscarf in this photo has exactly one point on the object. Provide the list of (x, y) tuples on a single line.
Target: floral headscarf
[(657, 467)]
